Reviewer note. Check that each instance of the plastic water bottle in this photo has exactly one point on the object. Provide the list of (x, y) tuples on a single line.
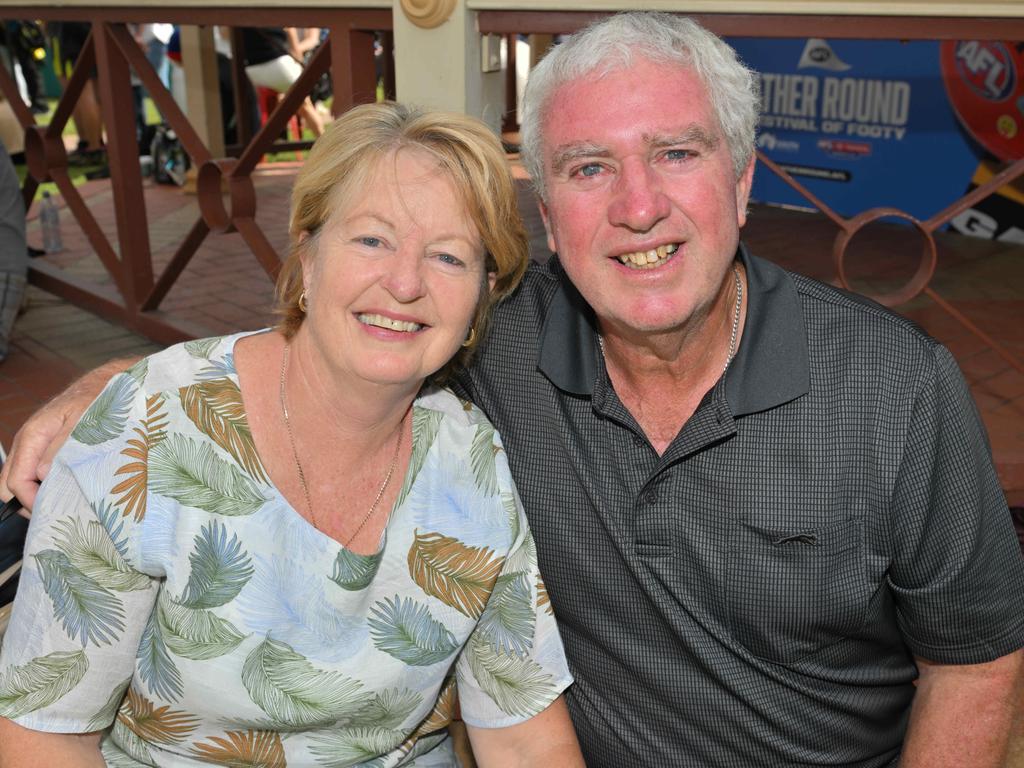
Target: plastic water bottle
[(49, 220)]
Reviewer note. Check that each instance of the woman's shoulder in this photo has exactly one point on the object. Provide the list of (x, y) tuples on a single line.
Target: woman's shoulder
[(441, 403), (184, 364)]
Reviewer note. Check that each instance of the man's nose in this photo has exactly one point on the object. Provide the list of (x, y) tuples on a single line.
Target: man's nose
[(638, 202), (404, 277)]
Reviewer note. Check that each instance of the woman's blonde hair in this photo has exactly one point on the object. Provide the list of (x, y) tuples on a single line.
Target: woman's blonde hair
[(342, 161)]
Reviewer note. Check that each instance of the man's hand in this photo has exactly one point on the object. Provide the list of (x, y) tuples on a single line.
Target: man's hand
[(44, 433)]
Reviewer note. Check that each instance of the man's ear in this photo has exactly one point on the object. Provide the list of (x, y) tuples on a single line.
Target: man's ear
[(545, 217), (743, 186)]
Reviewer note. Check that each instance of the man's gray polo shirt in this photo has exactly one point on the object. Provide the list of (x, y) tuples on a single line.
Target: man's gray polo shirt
[(755, 596)]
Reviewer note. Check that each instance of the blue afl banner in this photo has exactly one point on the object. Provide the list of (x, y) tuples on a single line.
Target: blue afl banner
[(870, 123)]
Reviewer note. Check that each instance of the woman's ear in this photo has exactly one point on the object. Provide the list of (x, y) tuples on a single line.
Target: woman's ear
[(492, 278)]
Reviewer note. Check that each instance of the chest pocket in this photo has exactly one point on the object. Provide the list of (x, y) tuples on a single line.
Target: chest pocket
[(792, 592)]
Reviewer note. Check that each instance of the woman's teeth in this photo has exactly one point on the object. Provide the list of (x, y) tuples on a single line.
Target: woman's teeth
[(649, 259), (386, 322)]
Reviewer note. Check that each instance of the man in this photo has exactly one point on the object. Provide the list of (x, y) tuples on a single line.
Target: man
[(764, 508)]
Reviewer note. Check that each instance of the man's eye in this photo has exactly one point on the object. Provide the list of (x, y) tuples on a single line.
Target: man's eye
[(590, 169), (678, 154)]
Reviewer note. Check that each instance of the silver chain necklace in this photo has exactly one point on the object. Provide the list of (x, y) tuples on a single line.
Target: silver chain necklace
[(735, 318), (735, 321), (302, 475)]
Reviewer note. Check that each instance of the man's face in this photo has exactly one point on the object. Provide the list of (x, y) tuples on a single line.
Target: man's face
[(643, 205)]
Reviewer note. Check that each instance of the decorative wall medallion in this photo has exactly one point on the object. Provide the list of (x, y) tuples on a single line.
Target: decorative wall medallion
[(428, 13)]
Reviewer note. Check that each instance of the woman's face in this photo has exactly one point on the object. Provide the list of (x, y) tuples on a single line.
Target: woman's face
[(394, 278)]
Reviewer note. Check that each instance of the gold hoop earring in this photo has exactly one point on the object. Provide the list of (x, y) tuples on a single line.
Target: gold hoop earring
[(471, 338), (303, 303)]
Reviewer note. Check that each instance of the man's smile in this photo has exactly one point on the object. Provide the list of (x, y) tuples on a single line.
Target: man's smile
[(649, 259)]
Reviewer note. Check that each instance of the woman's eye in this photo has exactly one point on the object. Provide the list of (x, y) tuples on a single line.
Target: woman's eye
[(447, 258), (370, 242)]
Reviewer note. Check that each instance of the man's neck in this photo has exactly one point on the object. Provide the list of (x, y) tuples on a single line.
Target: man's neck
[(662, 378)]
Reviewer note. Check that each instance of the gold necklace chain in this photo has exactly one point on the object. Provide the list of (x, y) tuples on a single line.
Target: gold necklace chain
[(302, 474), (735, 321)]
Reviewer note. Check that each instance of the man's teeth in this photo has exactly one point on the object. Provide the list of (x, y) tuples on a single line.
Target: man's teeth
[(386, 322), (649, 259)]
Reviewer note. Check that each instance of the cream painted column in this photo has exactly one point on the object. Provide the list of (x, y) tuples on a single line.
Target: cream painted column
[(202, 88), (441, 66)]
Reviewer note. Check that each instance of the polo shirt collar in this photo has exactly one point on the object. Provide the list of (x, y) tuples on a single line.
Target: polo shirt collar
[(771, 365)]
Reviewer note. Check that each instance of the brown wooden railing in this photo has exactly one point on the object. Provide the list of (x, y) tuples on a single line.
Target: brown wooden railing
[(113, 54)]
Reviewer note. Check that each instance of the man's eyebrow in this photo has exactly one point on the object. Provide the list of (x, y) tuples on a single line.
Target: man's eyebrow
[(567, 153), (693, 134)]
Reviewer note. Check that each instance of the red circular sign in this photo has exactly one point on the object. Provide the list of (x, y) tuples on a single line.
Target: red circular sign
[(985, 83)]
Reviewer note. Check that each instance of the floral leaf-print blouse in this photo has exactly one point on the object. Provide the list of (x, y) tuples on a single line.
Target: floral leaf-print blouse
[(172, 598)]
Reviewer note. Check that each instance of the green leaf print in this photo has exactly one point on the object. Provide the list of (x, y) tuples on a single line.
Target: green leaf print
[(481, 456), (425, 425), (518, 686), (139, 371), (105, 715), (406, 630), (113, 755), (508, 620), (201, 348), (292, 691), (195, 634), (40, 682), (508, 502), (107, 416), (523, 558), (111, 520), (387, 709), (130, 744), (190, 472), (220, 568), (86, 610), (358, 746), (355, 572), (156, 668), (92, 552), (455, 573)]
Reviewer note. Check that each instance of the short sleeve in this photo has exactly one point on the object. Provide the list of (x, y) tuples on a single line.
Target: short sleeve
[(513, 665), (958, 572), (82, 606)]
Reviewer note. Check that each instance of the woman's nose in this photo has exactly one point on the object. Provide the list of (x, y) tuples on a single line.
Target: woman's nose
[(404, 277)]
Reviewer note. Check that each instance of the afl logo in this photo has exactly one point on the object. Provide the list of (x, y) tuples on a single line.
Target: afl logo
[(987, 68)]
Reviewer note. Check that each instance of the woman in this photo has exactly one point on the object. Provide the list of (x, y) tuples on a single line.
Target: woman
[(226, 564)]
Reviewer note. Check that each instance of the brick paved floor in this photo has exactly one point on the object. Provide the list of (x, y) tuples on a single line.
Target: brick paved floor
[(224, 289)]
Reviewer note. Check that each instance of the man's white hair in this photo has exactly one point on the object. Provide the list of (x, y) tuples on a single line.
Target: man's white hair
[(614, 44)]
